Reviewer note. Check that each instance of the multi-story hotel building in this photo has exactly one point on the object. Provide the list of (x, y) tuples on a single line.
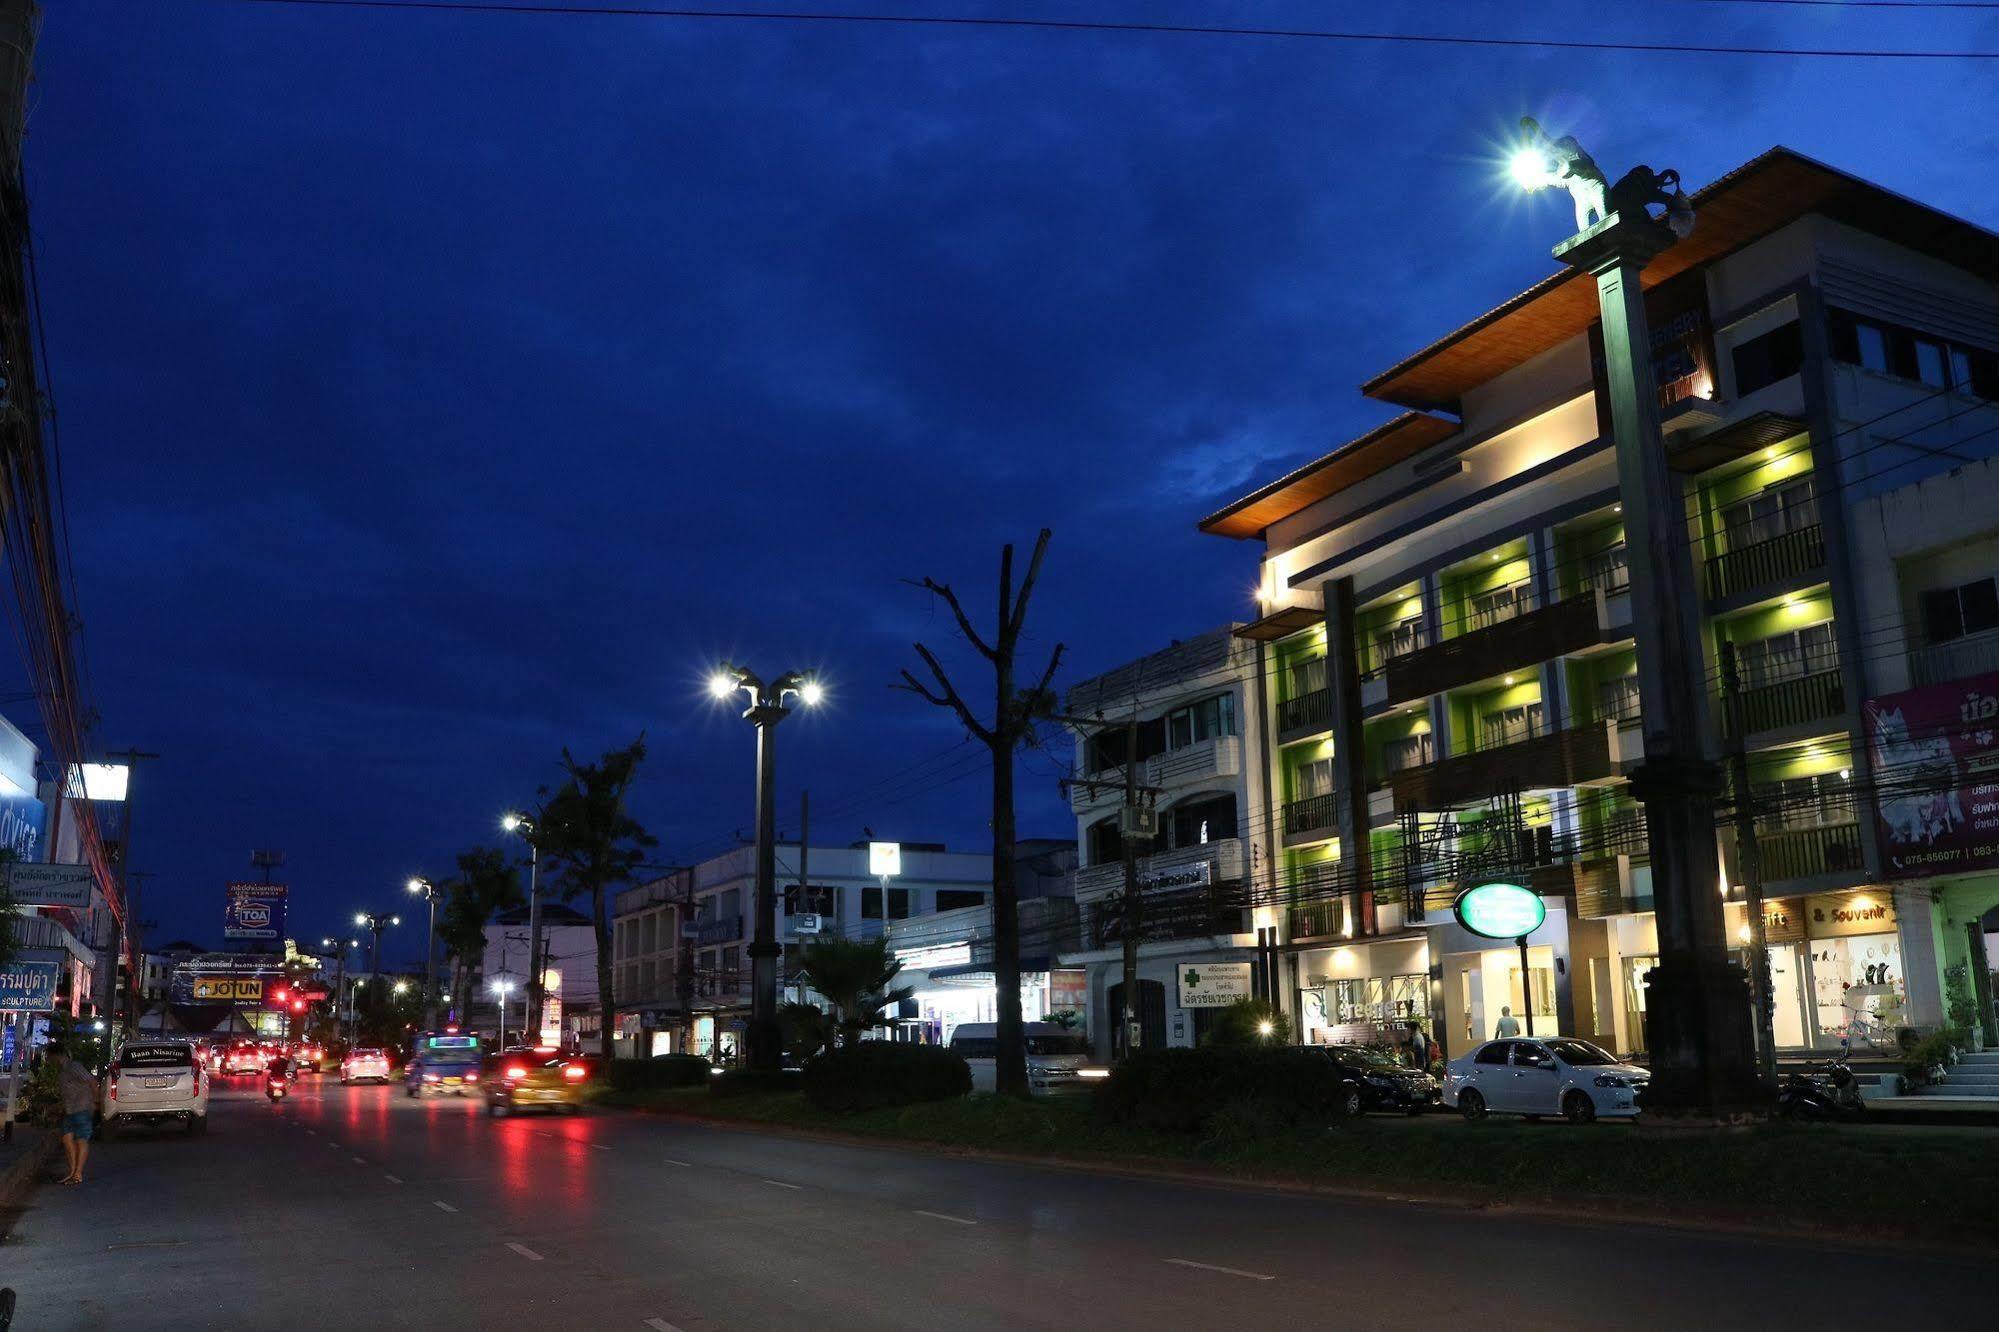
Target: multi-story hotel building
[(1450, 646)]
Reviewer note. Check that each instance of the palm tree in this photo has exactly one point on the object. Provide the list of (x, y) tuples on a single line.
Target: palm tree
[(855, 976), (487, 884)]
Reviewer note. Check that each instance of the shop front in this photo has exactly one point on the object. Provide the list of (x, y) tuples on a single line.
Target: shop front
[(1365, 993), (1836, 967)]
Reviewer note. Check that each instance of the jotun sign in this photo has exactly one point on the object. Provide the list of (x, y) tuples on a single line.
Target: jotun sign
[(1500, 910)]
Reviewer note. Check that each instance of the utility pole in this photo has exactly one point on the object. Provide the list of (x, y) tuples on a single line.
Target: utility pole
[(1750, 855), (126, 889)]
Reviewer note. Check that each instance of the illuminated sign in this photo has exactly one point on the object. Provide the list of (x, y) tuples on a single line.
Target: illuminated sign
[(29, 987), (1500, 910), (884, 859), (227, 989)]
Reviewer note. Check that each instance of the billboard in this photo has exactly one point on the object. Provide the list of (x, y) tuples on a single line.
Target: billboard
[(223, 978), (51, 885), (254, 911), (23, 820), (1936, 768), (29, 987)]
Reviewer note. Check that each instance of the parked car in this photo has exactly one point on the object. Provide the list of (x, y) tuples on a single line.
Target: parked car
[(521, 1077), (154, 1082), (1536, 1078), (1371, 1080), (1058, 1059), (364, 1064)]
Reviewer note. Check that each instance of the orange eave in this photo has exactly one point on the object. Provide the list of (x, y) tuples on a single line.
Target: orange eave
[(1380, 448), (1767, 193)]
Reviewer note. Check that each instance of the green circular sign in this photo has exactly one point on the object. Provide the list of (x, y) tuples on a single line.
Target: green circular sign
[(1500, 910)]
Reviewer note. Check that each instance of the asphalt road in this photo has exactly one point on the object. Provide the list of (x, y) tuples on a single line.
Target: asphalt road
[(354, 1207)]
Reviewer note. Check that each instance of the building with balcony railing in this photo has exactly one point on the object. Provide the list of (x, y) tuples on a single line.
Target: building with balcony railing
[(1447, 608)]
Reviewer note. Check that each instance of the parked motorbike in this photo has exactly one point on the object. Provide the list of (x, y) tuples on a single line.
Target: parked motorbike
[(1827, 1093)]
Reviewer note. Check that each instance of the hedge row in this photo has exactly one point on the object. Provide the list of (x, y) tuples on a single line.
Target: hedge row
[(749, 1081), (1183, 1091), (674, 1070), (877, 1074)]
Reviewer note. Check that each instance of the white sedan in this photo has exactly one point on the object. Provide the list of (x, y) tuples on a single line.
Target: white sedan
[(1556, 1076)]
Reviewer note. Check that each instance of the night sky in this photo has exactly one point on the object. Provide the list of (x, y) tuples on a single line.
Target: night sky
[(439, 390)]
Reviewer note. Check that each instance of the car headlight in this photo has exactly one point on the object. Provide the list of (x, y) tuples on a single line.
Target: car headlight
[(1612, 1080), (1093, 1073)]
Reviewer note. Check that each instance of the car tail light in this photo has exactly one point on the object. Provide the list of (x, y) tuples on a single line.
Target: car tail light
[(111, 1085), (515, 1071), (574, 1072), (471, 1077), (194, 1079)]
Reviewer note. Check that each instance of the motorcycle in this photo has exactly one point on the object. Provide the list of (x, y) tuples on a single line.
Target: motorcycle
[(276, 1086), (1828, 1093)]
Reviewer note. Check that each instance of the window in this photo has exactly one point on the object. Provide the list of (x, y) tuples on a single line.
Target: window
[(1890, 349), (954, 899), (729, 963), (1509, 726), (1789, 656), (1308, 677), (1210, 819), (1202, 721), (1410, 751), (1104, 751), (1502, 603), (1394, 640), (1618, 698), (1531, 1056), (1106, 844), (1818, 801), (1953, 612), (816, 899), (1769, 357), (1932, 363), (1873, 347), (1770, 513), (1609, 569), (1494, 1053), (1315, 779)]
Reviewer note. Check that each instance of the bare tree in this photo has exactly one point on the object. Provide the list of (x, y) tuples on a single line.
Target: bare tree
[(1015, 712)]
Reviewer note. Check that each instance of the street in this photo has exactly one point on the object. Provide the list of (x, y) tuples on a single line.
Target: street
[(358, 1207)]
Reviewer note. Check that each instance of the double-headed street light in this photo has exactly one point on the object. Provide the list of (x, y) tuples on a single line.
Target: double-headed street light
[(766, 709), (340, 1014), (375, 923), (501, 987), (524, 828), (431, 892)]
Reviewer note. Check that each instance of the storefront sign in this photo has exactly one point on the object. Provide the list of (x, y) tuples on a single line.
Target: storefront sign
[(29, 987), (22, 822), (1197, 875), (50, 885), (1500, 910), (1941, 743), (1784, 920), (884, 859), (1213, 984), (1837, 915), (254, 911)]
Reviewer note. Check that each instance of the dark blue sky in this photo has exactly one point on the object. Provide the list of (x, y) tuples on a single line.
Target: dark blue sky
[(441, 390)]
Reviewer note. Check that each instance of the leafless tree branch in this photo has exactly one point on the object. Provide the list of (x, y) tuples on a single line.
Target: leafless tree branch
[(1010, 626), (950, 599), (948, 698)]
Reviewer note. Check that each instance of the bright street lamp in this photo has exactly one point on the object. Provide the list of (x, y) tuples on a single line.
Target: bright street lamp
[(524, 827), (502, 987), (375, 923), (766, 709), (341, 1016), (431, 893)]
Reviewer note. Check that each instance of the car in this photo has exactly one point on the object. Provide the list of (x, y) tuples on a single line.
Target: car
[(155, 1082), (1058, 1058), (310, 1055), (364, 1064), (543, 1076), (245, 1057), (443, 1062), (1558, 1075), (1371, 1080)]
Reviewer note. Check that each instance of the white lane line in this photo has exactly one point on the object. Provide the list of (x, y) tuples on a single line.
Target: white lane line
[(524, 1251), (946, 1216), (780, 1184), (599, 1147), (687, 1165), (393, 1179), (1225, 1271), (444, 1207), (311, 1131), (360, 1160), (661, 1325)]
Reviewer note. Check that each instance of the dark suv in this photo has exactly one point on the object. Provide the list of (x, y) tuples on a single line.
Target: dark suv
[(1371, 1080)]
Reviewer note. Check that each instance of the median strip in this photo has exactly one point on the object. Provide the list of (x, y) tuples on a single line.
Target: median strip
[(1225, 1271)]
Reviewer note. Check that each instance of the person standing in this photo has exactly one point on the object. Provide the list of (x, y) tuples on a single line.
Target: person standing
[(1508, 1025), (1419, 1048), (79, 1106)]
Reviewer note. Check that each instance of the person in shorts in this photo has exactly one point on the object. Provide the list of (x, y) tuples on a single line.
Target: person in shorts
[(79, 1107)]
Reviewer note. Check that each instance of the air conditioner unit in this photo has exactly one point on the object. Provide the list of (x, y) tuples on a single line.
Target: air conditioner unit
[(1138, 821)]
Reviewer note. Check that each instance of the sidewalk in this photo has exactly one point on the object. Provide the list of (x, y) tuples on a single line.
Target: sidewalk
[(23, 1160)]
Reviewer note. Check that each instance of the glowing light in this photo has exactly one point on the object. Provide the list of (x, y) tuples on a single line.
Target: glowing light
[(1743, 934), (1265, 1027), (1617, 508), (720, 685), (510, 822), (1530, 169), (400, 987), (417, 885), (1507, 680), (811, 693), (361, 919), (1845, 773)]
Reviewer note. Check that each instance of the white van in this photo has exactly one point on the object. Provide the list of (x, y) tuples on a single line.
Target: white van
[(154, 1082), (1058, 1058)]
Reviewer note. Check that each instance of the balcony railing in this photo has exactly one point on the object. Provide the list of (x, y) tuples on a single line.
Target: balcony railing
[(1493, 642), (1307, 712), (1311, 814), (1799, 702), (1802, 853), (1217, 756), (1941, 663), (1314, 920), (1764, 562)]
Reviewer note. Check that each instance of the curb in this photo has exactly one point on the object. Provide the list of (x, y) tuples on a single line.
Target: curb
[(24, 1172), (1607, 1211)]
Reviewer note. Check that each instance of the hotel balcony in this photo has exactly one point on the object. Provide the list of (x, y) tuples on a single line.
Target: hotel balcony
[(1941, 663), (1522, 638), (1810, 858), (1547, 760), (1789, 709), (1765, 568), (1220, 861), (1220, 756), (1309, 820), (1308, 714)]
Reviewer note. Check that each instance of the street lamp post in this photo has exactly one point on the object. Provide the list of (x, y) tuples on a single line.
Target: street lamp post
[(501, 986), (430, 892), (524, 826), (342, 1010), (1698, 1030), (375, 923), (766, 709)]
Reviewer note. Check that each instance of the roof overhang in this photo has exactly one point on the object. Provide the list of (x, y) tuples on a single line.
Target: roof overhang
[(1352, 462), (1765, 194), (1281, 624)]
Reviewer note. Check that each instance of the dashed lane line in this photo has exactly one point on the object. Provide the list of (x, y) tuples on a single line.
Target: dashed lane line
[(393, 1179), (780, 1184), (685, 1165), (524, 1251), (360, 1160), (599, 1147), (661, 1325), (444, 1207), (1225, 1271), (945, 1216)]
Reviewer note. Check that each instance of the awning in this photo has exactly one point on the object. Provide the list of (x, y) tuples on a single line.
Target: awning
[(1281, 624)]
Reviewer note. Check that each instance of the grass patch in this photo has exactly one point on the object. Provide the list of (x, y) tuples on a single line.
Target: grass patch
[(1873, 1182)]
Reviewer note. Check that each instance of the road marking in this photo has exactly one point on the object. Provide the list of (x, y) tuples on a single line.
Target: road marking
[(661, 1325), (1225, 1271), (360, 1160), (599, 1147), (945, 1216), (311, 1130), (780, 1184), (524, 1251), (685, 1164), (445, 1207), (393, 1179)]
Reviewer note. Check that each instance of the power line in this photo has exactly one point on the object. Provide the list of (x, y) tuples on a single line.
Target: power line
[(825, 17)]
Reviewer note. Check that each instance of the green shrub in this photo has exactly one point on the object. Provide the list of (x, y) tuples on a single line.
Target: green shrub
[(674, 1070), (1186, 1091), (750, 1081), (876, 1074)]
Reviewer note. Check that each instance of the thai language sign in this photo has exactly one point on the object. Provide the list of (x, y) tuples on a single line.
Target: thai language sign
[(29, 987), (254, 911), (1213, 984), (1936, 769)]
